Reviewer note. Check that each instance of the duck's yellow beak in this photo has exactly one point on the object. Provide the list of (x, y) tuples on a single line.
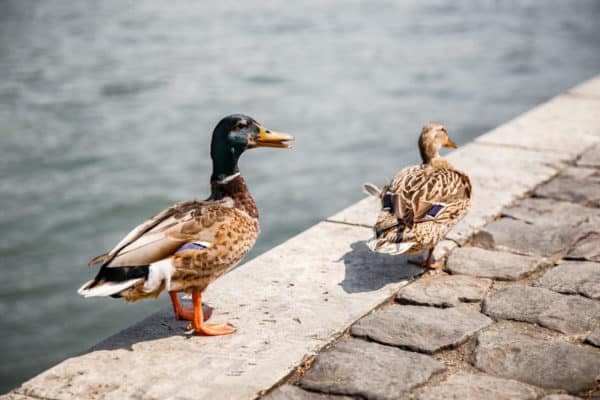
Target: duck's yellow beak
[(267, 138), (450, 143)]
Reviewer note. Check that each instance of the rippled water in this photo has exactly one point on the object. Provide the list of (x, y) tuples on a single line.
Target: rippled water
[(106, 111)]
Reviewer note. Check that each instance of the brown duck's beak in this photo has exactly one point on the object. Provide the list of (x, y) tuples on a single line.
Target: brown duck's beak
[(450, 143), (267, 138)]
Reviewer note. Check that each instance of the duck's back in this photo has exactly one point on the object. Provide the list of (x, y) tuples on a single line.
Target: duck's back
[(425, 192), (420, 206)]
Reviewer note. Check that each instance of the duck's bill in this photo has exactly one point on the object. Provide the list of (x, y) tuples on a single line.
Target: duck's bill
[(450, 143), (267, 138)]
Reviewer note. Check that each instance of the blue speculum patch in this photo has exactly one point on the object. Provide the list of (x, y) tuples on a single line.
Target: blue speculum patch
[(191, 246), (434, 210)]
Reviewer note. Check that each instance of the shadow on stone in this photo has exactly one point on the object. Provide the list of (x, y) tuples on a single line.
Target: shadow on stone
[(367, 271), (157, 326)]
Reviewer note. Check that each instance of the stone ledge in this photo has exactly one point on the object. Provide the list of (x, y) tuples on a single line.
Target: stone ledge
[(588, 88), (295, 299)]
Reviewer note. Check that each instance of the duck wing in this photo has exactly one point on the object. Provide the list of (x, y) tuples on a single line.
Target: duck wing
[(423, 193), (161, 235)]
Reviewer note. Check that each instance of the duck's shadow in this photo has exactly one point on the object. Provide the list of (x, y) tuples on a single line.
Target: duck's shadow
[(364, 271), (367, 271), (159, 325)]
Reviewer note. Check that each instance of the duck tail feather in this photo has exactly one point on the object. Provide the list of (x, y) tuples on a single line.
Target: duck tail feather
[(101, 259), (106, 288), (371, 189), (111, 281)]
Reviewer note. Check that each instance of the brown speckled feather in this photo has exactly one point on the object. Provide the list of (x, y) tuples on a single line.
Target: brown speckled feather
[(428, 200), (227, 224)]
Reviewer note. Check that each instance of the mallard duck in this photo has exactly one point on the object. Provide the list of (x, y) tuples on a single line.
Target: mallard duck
[(422, 203), (190, 244)]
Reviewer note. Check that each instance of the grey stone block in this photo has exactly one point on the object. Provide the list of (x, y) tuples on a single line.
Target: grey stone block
[(444, 290), (291, 392), (587, 246), (590, 158), (577, 185), (465, 386), (505, 351), (360, 368), (492, 264), (529, 239), (594, 337), (550, 212), (573, 278), (567, 314), (560, 397), (420, 328)]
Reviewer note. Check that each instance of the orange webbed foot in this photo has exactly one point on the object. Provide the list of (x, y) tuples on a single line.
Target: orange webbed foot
[(197, 325), (187, 313), (211, 329)]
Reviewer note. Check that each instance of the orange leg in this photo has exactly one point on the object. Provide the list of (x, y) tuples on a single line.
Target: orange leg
[(187, 313), (427, 263), (198, 322)]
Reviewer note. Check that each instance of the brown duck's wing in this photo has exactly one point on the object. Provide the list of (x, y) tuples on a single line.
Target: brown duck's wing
[(423, 193), (162, 235)]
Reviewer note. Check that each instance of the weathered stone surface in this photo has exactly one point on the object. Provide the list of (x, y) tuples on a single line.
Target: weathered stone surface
[(363, 213), (443, 248), (577, 185), (16, 396), (560, 397), (290, 392), (499, 177), (590, 87), (590, 158), (483, 240), (594, 337), (505, 350), (421, 328), (567, 314), (568, 125), (444, 290), (360, 368), (286, 303), (549, 227), (465, 386), (573, 278), (491, 264), (494, 167), (550, 212), (587, 246), (529, 239)]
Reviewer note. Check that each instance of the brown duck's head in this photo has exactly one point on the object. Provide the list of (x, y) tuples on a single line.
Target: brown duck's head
[(433, 137), (235, 134)]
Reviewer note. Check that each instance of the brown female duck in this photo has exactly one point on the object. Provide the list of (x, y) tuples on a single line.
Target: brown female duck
[(423, 202)]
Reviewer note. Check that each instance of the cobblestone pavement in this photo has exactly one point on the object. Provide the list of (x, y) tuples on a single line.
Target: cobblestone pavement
[(514, 315)]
